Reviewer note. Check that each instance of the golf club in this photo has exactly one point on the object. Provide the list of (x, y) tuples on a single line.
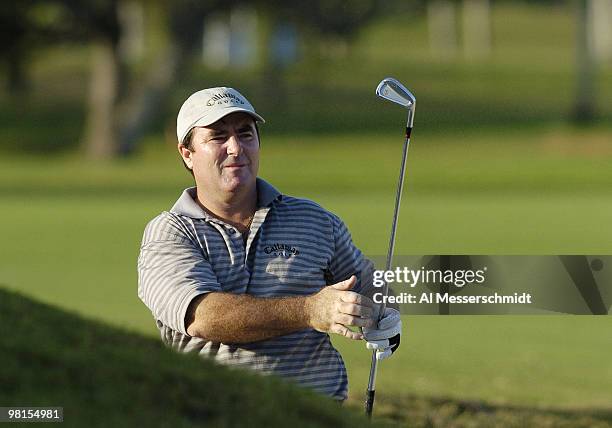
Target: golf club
[(392, 90)]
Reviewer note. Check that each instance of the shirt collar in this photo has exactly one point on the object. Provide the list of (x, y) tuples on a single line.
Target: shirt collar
[(266, 193), (186, 205)]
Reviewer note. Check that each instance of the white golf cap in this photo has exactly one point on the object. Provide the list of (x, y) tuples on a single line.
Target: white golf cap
[(208, 106)]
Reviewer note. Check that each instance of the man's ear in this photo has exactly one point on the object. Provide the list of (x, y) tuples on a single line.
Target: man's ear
[(186, 155)]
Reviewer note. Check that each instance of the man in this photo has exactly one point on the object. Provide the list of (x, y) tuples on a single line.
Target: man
[(238, 272)]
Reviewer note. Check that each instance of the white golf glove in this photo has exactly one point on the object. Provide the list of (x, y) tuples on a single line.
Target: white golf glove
[(386, 338)]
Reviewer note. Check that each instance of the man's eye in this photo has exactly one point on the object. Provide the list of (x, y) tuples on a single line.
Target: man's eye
[(217, 138), (246, 135)]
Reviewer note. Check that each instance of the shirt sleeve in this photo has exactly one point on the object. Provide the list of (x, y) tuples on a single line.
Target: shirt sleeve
[(349, 260), (172, 270)]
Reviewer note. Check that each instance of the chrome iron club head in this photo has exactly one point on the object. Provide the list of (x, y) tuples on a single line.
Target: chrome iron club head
[(392, 90)]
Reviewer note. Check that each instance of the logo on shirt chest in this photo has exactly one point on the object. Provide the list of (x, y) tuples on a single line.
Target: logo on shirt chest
[(283, 250)]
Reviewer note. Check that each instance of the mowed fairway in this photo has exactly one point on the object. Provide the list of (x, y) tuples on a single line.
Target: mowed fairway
[(71, 233), (558, 362)]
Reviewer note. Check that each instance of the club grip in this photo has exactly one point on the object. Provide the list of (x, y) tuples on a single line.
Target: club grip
[(369, 403)]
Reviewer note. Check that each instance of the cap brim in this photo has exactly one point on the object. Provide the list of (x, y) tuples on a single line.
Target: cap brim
[(220, 114)]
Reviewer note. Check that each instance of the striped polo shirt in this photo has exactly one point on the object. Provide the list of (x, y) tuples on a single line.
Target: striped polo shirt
[(294, 248)]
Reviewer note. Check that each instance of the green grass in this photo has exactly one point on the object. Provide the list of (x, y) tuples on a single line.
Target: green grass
[(74, 229), (558, 362), (493, 371), (499, 172), (75, 226), (103, 376)]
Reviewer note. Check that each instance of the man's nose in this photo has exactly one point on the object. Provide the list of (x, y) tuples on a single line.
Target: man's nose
[(234, 148)]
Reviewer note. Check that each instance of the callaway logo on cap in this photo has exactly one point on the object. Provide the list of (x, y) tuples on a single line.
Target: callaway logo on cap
[(208, 106)]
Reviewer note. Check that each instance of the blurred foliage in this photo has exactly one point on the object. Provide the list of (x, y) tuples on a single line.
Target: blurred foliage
[(494, 169), (119, 107), (346, 47), (332, 17)]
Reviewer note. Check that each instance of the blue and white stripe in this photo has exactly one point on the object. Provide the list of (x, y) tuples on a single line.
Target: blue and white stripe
[(294, 248)]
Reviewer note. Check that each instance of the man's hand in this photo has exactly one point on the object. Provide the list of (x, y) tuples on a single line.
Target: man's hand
[(386, 338), (334, 309)]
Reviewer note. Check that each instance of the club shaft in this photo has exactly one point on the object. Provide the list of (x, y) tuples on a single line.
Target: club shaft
[(396, 209), (369, 404)]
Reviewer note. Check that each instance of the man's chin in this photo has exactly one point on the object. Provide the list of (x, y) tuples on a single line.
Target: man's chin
[(238, 184)]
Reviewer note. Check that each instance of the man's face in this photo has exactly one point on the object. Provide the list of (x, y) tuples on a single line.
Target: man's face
[(225, 156)]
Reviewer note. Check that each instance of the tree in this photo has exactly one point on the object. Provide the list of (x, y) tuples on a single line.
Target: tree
[(584, 103), (16, 36)]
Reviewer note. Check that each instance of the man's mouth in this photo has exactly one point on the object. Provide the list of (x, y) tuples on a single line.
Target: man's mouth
[(234, 166)]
